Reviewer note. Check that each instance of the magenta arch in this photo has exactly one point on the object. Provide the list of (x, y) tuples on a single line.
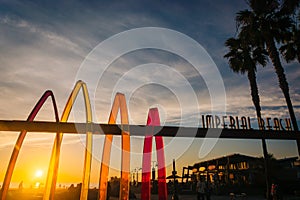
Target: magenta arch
[(153, 120)]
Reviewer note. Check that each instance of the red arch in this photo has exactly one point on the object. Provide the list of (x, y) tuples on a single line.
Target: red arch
[(153, 120), (18, 145)]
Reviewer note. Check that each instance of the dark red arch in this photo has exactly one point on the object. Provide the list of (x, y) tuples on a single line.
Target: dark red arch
[(18, 145), (153, 120)]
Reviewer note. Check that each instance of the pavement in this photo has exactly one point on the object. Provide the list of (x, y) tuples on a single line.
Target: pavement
[(214, 197)]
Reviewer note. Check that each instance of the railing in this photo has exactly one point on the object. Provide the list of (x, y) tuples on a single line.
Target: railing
[(140, 130)]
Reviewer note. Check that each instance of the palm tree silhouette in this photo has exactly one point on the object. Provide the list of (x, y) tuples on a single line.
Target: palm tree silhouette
[(269, 21), (243, 58), (291, 49)]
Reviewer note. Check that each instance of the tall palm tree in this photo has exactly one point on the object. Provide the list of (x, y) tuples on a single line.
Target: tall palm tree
[(268, 22), (243, 58), (291, 49)]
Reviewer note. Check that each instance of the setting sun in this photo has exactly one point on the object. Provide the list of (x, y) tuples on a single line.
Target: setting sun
[(38, 173)]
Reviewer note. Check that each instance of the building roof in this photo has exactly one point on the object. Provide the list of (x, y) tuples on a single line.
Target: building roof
[(290, 159), (233, 158)]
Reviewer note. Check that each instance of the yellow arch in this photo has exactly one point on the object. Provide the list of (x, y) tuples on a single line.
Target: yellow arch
[(54, 162), (119, 104)]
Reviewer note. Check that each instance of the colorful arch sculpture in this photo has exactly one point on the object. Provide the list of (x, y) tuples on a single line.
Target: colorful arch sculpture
[(54, 162), (19, 142), (118, 104), (153, 120)]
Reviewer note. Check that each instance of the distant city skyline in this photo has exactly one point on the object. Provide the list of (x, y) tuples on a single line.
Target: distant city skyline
[(43, 45)]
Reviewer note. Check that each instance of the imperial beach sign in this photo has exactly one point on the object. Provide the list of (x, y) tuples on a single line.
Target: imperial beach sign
[(245, 123)]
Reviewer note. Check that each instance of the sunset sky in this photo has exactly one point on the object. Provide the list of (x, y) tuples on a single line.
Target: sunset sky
[(43, 45)]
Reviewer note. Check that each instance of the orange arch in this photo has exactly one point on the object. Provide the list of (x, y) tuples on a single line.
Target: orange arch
[(18, 145), (54, 162), (118, 104)]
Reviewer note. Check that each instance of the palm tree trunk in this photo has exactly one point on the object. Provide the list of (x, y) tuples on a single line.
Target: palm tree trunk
[(254, 91), (283, 84), (256, 102)]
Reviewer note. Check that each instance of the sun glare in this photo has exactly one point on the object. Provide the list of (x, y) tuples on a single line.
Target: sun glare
[(38, 173)]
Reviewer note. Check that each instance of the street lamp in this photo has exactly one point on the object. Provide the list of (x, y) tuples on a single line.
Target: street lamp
[(174, 172)]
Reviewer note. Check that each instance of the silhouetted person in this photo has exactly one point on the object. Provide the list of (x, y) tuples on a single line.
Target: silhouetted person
[(108, 191), (200, 189), (208, 191), (21, 186), (276, 191), (72, 192)]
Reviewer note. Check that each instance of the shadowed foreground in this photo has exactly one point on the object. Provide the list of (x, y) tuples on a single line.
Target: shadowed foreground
[(64, 194)]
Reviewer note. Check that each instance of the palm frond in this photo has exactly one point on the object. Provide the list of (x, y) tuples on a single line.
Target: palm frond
[(289, 7)]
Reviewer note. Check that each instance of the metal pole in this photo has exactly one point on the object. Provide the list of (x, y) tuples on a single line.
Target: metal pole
[(139, 130), (174, 172)]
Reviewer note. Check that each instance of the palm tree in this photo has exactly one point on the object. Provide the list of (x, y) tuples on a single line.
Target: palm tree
[(291, 49), (268, 22), (243, 58)]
